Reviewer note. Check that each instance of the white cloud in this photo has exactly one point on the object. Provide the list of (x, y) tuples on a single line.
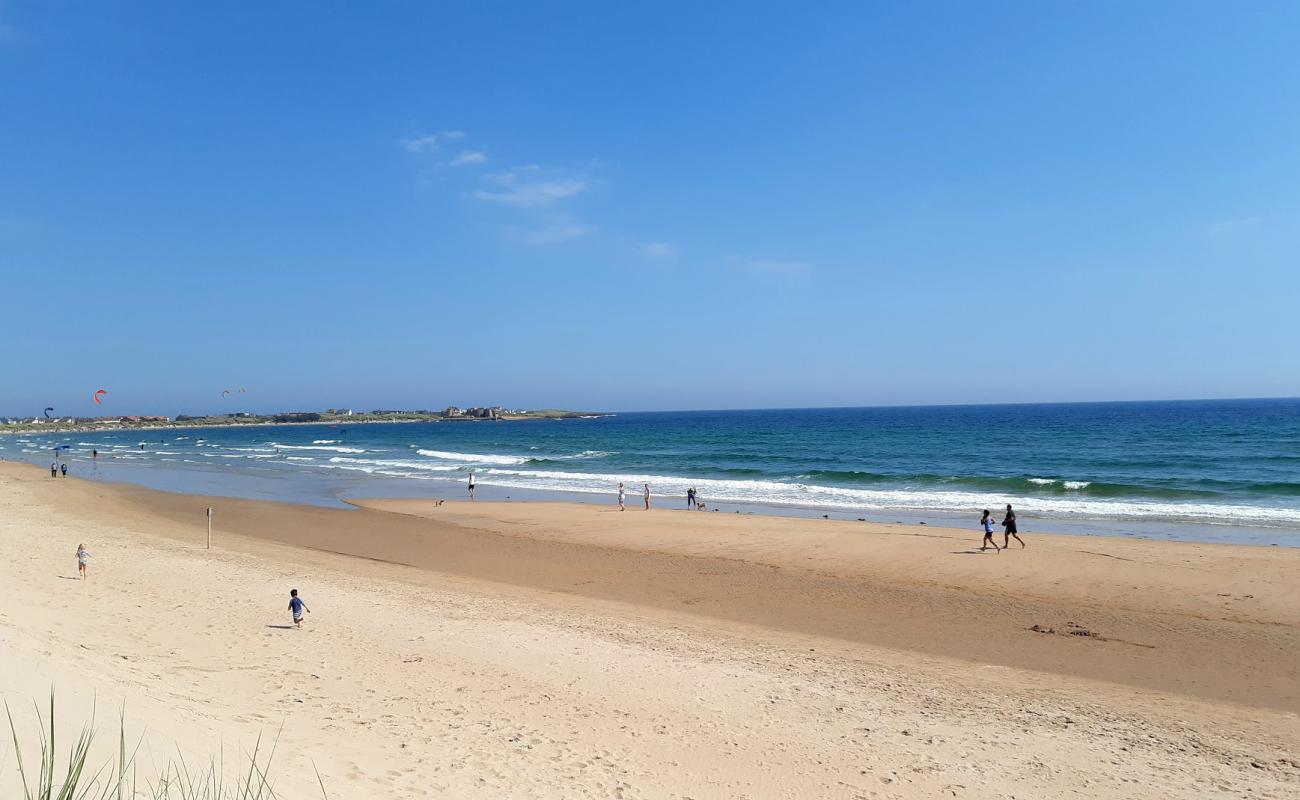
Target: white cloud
[(760, 267), (512, 191), (421, 144), (454, 134), (659, 250), (468, 157)]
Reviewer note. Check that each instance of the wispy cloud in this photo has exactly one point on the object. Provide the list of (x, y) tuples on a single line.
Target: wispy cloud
[(659, 250), (788, 268), (428, 143), (537, 193), (558, 230), (509, 188), (1232, 227), (468, 157)]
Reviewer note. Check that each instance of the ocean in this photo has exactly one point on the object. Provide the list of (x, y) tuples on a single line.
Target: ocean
[(1203, 470)]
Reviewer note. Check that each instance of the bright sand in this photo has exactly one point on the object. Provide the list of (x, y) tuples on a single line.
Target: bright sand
[(569, 650)]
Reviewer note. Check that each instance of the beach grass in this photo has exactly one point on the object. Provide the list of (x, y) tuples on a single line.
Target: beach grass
[(120, 779)]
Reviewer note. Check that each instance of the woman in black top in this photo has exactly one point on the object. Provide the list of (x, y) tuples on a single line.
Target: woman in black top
[(1009, 528)]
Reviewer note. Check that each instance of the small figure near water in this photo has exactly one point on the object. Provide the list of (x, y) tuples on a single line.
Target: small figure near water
[(94, 454), (471, 484), (54, 470), (64, 469), (690, 497), (647, 497), (1009, 527), (622, 497), (988, 522), (296, 607), (82, 555)]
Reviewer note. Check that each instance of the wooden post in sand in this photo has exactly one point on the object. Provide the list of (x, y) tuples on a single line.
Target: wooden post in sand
[(209, 527)]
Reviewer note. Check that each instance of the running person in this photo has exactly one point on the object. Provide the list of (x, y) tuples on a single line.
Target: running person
[(82, 555), (988, 522), (296, 607), (1009, 528)]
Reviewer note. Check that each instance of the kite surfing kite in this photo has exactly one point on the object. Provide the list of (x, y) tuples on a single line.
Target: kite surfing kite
[(98, 395), (225, 392), (48, 409)]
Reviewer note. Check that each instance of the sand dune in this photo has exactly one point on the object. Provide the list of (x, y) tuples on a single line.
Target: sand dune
[(507, 650)]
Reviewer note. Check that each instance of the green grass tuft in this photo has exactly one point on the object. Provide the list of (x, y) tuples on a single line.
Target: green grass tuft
[(118, 778)]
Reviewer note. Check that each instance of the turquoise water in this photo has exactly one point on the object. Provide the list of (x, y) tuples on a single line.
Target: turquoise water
[(1233, 464)]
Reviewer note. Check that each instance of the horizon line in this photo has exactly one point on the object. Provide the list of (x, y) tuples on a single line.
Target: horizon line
[(763, 408)]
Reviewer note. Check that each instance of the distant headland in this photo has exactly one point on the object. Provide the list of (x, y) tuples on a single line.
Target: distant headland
[(332, 416)]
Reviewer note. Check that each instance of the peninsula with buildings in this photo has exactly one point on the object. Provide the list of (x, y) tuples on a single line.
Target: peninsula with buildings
[(58, 424)]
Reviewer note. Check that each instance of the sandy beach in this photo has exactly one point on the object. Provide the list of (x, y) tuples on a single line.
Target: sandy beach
[(569, 650)]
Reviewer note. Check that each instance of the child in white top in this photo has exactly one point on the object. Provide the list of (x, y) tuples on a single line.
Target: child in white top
[(82, 555)]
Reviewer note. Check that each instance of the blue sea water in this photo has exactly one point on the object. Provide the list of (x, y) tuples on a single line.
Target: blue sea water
[(1210, 470)]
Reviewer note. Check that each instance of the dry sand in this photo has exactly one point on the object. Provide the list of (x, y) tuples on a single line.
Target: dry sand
[(565, 650)]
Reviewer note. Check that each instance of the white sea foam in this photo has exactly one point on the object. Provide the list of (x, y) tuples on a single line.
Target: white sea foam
[(317, 447), (473, 458), (237, 455), (583, 455), (324, 441), (808, 495), (1073, 485), (373, 464)]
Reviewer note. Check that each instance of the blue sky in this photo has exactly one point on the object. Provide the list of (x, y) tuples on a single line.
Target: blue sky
[(610, 206)]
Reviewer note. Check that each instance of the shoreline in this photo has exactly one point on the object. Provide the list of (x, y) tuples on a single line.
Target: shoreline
[(548, 650), (328, 488)]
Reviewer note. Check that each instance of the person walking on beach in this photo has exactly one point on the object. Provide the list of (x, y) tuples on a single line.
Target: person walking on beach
[(82, 555), (690, 497), (647, 497), (988, 522), (622, 498), (471, 484), (296, 607), (64, 469), (1009, 528), (54, 470)]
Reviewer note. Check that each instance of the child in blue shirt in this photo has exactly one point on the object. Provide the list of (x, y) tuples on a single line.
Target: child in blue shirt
[(297, 606)]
